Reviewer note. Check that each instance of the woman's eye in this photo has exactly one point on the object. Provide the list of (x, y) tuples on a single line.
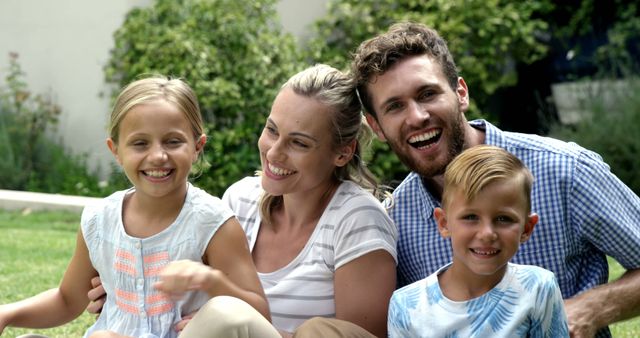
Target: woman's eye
[(271, 130), (300, 144)]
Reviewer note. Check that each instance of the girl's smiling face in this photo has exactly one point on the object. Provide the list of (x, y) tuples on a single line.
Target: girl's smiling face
[(156, 148)]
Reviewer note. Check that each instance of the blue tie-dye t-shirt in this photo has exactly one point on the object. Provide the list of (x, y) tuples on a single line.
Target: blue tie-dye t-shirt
[(526, 303)]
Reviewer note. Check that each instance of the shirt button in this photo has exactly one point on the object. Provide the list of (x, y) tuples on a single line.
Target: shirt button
[(140, 283), (138, 245)]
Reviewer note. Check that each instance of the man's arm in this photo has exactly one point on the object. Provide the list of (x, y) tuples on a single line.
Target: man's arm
[(604, 305)]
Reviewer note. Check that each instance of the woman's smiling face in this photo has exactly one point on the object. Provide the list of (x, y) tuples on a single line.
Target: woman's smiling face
[(296, 149)]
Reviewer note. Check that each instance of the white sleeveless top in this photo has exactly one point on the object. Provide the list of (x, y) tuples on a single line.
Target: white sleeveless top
[(129, 266)]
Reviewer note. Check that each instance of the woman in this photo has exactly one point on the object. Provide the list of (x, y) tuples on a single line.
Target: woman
[(322, 243)]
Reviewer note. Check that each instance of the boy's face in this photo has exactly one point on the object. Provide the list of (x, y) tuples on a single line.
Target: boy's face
[(486, 231)]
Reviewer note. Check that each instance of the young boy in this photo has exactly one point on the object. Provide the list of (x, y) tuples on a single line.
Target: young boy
[(486, 212)]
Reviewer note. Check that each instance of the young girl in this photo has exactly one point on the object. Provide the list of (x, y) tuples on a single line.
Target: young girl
[(162, 248)]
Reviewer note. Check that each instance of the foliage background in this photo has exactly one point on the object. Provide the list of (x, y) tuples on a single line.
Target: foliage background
[(236, 56)]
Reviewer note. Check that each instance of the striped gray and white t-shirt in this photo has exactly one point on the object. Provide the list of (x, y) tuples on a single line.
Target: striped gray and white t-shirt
[(353, 224)]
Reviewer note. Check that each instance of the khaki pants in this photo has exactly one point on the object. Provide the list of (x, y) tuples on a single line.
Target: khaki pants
[(330, 328), (225, 316)]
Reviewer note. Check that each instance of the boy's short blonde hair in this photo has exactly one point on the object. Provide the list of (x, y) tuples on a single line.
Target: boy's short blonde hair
[(475, 168)]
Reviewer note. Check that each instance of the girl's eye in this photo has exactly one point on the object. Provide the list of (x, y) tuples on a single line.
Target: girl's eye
[(174, 142), (139, 143)]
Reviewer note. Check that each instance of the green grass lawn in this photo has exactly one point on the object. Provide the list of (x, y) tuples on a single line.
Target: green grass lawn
[(35, 249)]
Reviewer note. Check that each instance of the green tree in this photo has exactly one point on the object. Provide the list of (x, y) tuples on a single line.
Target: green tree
[(235, 56), (487, 39)]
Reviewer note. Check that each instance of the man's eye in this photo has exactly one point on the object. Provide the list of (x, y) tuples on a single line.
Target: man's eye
[(393, 106), (425, 95)]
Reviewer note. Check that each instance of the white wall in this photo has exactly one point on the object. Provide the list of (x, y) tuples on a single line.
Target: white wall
[(63, 46)]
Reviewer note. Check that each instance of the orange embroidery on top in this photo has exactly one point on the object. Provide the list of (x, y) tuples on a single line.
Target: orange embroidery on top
[(156, 298), (126, 295), (127, 307), (156, 257), (153, 270), (160, 309), (125, 255), (123, 267)]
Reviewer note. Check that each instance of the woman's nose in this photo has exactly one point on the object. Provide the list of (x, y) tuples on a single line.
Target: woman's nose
[(276, 153)]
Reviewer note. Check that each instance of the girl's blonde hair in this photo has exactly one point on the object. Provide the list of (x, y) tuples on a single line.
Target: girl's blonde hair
[(335, 90), (152, 89), (478, 166)]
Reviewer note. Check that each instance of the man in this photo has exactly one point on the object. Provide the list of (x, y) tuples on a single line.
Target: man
[(415, 101)]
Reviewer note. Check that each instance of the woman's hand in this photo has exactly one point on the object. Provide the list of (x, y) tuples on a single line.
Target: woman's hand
[(97, 296)]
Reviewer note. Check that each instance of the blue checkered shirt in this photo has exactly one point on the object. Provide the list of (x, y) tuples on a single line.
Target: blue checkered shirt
[(585, 212)]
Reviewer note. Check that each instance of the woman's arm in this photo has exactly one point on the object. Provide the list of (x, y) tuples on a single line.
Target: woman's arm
[(229, 271), (55, 306), (363, 288)]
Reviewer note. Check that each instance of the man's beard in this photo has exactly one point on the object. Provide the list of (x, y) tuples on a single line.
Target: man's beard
[(456, 145)]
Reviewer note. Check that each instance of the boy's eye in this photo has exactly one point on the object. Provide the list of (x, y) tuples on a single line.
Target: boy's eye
[(504, 219), (470, 217)]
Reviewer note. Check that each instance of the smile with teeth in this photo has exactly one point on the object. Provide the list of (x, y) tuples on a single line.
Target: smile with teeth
[(279, 171), (424, 140), (484, 252), (157, 173)]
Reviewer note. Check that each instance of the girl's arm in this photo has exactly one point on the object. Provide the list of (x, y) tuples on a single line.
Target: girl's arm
[(57, 306), (229, 271), (363, 288)]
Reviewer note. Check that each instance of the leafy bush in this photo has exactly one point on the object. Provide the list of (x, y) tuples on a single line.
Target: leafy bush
[(234, 55), (486, 39), (29, 158), (609, 127)]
